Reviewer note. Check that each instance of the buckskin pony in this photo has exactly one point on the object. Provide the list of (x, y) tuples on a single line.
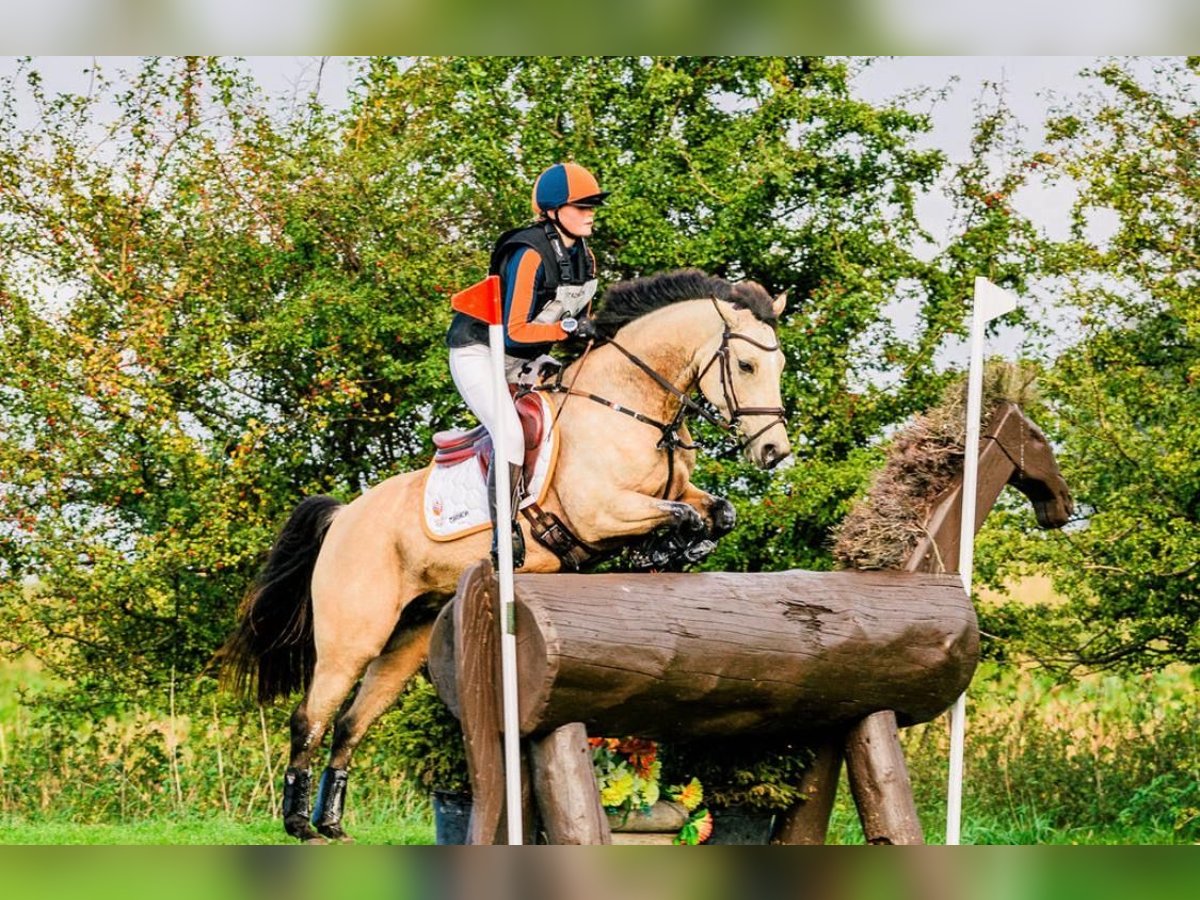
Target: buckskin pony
[(351, 591)]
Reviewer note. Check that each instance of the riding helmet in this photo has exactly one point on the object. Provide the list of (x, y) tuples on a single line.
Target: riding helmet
[(566, 184)]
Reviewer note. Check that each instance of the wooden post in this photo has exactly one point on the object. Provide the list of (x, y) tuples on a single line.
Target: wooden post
[(879, 781), (565, 786), (807, 822), (476, 673)]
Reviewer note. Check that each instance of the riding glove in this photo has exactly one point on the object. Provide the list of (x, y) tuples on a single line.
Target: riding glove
[(583, 328)]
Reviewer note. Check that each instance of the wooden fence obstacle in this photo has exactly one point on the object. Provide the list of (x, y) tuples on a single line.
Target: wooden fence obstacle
[(841, 658)]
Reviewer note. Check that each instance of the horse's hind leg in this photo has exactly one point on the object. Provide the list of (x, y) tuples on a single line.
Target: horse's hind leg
[(333, 678), (384, 680)]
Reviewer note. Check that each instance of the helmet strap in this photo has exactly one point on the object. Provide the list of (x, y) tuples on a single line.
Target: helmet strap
[(557, 220)]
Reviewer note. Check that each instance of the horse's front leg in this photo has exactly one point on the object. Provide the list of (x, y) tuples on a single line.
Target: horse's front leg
[(717, 512), (629, 513)]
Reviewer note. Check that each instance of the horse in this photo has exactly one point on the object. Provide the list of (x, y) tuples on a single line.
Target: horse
[(350, 592)]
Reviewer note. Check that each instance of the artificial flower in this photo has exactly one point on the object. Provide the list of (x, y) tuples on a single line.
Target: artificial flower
[(696, 830), (689, 795)]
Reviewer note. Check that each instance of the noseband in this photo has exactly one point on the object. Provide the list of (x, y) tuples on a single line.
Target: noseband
[(670, 439), (736, 410)]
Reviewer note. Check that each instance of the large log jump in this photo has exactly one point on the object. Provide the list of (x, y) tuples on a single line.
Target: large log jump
[(838, 659), (674, 657)]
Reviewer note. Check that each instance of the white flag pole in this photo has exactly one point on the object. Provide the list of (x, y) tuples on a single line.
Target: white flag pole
[(990, 303), (508, 636)]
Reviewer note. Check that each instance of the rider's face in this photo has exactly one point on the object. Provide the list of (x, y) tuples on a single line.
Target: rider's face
[(577, 220)]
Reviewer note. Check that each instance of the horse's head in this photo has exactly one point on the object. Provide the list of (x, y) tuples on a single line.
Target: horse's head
[(1036, 473), (740, 371)]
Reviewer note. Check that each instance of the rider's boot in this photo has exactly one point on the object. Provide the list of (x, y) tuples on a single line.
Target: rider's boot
[(515, 474)]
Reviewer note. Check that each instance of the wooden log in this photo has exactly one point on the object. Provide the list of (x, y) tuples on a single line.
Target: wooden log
[(879, 782), (717, 654), (565, 787), (477, 674), (807, 822), (664, 816), (643, 839)]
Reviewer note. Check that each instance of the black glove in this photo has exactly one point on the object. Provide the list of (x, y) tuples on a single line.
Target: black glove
[(583, 328), (548, 368)]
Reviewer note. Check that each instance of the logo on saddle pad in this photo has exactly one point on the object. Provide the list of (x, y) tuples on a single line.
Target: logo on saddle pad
[(455, 502)]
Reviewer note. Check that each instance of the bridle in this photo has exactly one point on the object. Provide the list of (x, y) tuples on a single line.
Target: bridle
[(670, 439)]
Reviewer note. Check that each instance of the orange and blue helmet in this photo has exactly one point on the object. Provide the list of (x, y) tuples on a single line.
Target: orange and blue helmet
[(566, 184)]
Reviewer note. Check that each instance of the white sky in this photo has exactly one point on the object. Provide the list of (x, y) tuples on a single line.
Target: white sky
[(1031, 84)]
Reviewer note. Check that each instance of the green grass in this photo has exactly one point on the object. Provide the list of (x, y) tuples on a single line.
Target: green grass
[(1017, 826), (208, 831), (844, 829)]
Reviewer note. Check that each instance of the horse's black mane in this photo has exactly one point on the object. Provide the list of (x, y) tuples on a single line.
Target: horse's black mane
[(629, 300)]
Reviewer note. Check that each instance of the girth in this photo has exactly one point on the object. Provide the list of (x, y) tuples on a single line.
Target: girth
[(552, 533)]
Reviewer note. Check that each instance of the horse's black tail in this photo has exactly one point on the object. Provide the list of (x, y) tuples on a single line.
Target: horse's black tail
[(272, 649)]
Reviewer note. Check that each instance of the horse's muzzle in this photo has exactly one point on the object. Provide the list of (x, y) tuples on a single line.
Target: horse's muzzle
[(772, 455)]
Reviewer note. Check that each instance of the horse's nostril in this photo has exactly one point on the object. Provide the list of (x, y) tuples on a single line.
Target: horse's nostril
[(770, 453)]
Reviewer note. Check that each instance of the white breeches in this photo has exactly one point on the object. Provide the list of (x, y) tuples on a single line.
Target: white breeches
[(471, 369)]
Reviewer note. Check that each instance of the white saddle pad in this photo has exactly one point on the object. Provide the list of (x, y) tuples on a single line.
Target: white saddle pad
[(456, 496)]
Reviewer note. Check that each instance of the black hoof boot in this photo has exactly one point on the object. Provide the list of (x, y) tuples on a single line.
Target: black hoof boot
[(331, 800), (297, 790)]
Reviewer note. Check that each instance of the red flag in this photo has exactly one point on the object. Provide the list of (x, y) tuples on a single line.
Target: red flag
[(480, 300)]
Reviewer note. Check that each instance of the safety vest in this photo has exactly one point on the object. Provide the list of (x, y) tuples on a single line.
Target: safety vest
[(557, 270)]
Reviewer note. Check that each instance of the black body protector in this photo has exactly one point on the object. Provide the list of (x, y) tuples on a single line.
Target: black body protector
[(566, 288)]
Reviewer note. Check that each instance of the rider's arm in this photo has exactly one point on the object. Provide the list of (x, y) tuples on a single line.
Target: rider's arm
[(523, 277)]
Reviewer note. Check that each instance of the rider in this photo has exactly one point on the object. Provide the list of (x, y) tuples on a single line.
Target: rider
[(547, 280)]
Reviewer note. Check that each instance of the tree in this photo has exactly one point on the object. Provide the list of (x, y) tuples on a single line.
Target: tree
[(214, 309), (1124, 397)]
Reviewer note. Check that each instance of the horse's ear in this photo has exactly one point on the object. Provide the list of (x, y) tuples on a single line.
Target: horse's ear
[(779, 303)]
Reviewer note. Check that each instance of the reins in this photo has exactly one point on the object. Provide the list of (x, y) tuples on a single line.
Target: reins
[(670, 438)]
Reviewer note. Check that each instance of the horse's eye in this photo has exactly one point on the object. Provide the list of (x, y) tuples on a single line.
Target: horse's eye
[(745, 366)]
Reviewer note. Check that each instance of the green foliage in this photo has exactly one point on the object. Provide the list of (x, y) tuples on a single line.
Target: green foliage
[(194, 754), (425, 740), (763, 776), (1106, 758), (1122, 399)]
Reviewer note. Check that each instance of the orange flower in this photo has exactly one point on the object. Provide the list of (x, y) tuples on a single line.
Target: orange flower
[(641, 754), (704, 828)]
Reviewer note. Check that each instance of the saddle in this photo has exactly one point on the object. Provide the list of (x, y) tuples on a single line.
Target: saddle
[(452, 447)]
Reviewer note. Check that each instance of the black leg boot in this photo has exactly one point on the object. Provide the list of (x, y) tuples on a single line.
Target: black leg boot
[(516, 481), (331, 800), (297, 789), (515, 476)]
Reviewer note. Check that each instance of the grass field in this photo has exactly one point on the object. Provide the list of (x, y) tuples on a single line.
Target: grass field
[(202, 831), (1101, 760), (844, 829)]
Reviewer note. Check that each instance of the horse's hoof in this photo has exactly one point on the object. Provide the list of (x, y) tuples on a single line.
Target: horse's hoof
[(301, 830), (723, 515), (686, 518), (335, 833)]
